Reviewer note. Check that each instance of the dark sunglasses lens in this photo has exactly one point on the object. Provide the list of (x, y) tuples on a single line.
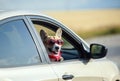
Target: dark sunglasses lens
[(60, 42), (52, 42)]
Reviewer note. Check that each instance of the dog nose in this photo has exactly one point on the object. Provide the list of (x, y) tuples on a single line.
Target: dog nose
[(56, 48)]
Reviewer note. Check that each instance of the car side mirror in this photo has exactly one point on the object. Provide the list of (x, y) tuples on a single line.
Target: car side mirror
[(97, 51)]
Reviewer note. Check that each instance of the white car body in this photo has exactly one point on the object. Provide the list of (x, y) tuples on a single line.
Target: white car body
[(94, 70)]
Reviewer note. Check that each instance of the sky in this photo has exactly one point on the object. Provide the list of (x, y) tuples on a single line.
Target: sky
[(45, 5)]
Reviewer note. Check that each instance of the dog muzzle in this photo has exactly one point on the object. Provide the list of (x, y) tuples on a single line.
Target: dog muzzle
[(55, 57)]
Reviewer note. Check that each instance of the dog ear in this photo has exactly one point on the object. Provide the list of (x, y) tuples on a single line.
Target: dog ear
[(43, 34), (59, 32)]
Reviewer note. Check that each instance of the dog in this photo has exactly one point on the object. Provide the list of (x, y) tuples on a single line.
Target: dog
[(53, 44)]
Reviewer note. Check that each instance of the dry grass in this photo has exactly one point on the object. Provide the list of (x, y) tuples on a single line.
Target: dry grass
[(88, 21)]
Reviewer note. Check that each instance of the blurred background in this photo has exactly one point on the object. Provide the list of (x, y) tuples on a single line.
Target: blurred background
[(94, 20)]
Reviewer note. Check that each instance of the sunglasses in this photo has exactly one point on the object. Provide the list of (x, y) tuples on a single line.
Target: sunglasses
[(52, 41)]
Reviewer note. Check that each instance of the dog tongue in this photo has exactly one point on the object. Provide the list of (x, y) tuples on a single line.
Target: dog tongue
[(55, 56), (55, 52)]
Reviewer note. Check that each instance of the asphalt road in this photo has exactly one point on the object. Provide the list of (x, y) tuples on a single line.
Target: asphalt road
[(112, 42)]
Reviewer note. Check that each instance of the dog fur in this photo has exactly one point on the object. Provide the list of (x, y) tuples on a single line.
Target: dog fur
[(53, 44)]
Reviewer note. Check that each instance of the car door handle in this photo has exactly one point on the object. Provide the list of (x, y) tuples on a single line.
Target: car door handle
[(67, 77)]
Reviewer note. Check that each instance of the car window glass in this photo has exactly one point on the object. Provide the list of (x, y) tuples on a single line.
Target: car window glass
[(68, 50), (16, 45)]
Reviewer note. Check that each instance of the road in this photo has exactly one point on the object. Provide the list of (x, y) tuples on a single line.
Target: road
[(112, 42)]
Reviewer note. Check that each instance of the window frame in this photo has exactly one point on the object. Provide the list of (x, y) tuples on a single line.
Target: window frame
[(56, 25)]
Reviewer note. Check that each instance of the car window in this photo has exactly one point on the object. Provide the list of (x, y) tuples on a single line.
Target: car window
[(16, 45), (68, 50), (50, 32)]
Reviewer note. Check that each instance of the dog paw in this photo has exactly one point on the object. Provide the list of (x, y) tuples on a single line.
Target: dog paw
[(61, 59)]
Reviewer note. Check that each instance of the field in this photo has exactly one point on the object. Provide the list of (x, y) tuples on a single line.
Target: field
[(90, 23)]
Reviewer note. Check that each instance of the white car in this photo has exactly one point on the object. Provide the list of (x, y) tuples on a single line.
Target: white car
[(23, 56)]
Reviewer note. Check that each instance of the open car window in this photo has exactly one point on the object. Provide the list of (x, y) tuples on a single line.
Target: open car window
[(68, 49), (50, 32)]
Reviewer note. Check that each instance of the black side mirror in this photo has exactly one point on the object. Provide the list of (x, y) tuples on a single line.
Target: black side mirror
[(97, 51)]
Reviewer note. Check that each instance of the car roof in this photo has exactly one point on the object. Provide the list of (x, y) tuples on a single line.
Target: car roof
[(7, 14)]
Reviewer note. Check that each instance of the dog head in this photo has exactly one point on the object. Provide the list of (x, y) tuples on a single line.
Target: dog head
[(52, 43)]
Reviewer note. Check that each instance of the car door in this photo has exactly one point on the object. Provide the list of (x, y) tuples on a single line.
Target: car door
[(21, 56), (74, 66)]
